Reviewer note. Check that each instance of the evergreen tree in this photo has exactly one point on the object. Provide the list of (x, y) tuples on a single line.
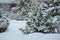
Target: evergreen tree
[(4, 23), (24, 8), (55, 4), (41, 20)]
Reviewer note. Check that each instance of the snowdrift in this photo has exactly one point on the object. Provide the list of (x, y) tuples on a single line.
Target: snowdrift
[(13, 33)]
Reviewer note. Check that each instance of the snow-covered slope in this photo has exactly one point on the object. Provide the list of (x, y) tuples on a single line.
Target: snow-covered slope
[(13, 33)]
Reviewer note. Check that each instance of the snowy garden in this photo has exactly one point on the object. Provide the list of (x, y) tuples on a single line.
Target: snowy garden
[(29, 20)]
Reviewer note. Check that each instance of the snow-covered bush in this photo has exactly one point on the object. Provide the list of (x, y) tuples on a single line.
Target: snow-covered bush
[(24, 7), (40, 19), (4, 23)]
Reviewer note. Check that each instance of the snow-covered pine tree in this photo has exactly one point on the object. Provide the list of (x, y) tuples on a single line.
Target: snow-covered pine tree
[(24, 8), (41, 19), (4, 23), (56, 5), (56, 13)]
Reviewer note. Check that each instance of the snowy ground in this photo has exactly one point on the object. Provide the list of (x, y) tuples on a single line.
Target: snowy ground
[(13, 33)]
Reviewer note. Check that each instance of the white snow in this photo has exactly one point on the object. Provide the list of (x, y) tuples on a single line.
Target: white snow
[(13, 33)]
